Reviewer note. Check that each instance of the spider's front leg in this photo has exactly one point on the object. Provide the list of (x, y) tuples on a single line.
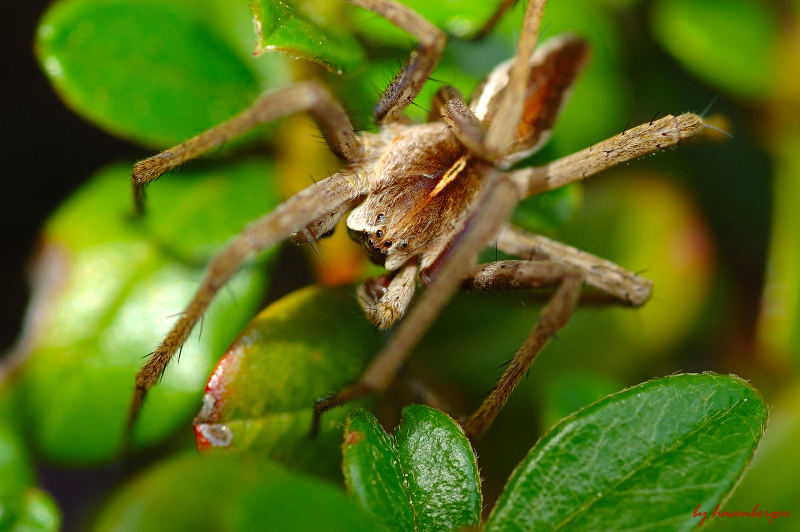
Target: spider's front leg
[(291, 216), (639, 141), (407, 84), (306, 96)]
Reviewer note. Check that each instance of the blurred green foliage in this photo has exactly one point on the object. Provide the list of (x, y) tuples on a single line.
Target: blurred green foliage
[(188, 492), (102, 273), (158, 72), (730, 44)]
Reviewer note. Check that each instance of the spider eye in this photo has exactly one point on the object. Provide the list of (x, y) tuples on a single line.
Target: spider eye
[(379, 218), (387, 244), (379, 233)]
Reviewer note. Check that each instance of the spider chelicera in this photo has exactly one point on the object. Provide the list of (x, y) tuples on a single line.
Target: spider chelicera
[(425, 199)]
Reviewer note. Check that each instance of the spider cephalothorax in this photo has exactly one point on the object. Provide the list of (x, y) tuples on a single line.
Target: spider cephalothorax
[(425, 199)]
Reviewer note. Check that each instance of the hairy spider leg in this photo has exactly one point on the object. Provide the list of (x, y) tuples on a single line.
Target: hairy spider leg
[(408, 83), (305, 96), (624, 286), (261, 234), (631, 144), (511, 275)]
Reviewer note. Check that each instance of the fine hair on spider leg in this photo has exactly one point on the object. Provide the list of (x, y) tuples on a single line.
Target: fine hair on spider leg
[(425, 199)]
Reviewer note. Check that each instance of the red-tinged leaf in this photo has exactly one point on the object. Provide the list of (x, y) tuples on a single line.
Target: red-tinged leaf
[(259, 398)]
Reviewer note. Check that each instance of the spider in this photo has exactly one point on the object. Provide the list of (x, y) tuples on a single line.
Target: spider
[(425, 198)]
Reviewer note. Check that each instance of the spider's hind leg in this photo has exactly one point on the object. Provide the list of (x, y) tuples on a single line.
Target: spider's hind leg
[(549, 263), (612, 281), (513, 275)]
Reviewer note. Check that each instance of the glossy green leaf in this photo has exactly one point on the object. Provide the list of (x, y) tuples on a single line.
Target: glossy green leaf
[(152, 71), (683, 441), (281, 28), (731, 44), (260, 397), (214, 493), (107, 287), (422, 477)]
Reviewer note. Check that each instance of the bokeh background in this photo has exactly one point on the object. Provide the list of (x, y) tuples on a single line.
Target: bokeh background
[(715, 224)]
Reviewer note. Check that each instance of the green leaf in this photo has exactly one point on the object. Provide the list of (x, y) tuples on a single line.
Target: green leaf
[(682, 441), (731, 44), (281, 28), (423, 477), (260, 397), (151, 71), (106, 287), (216, 493)]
